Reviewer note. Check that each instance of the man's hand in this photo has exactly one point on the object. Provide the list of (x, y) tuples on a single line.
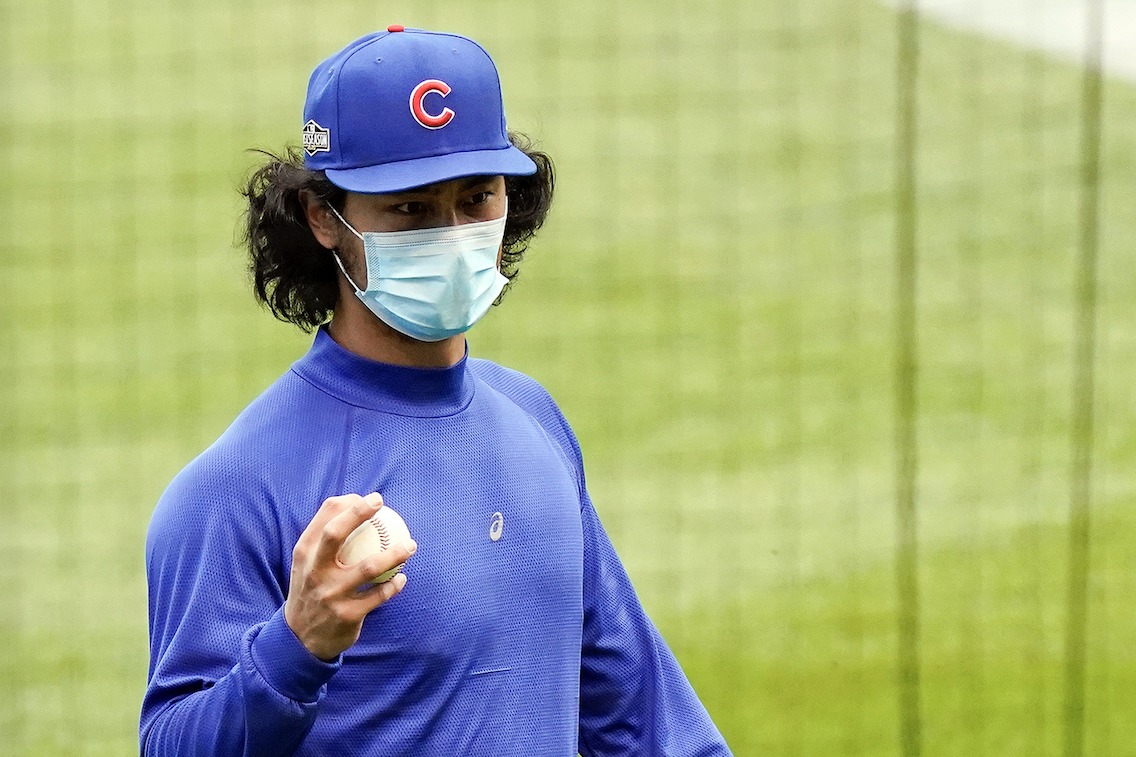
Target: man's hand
[(325, 608)]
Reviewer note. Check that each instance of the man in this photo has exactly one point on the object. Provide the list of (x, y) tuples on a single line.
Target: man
[(515, 630)]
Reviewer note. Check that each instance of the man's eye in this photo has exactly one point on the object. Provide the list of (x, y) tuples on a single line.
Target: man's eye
[(480, 198), (411, 208)]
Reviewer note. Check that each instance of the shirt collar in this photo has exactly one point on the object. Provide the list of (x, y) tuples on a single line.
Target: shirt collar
[(397, 389)]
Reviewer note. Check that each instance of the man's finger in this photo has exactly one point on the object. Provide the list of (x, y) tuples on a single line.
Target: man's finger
[(334, 531), (367, 600), (331, 507), (373, 566)]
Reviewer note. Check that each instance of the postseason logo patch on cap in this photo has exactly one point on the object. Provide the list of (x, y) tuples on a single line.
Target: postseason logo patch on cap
[(316, 138)]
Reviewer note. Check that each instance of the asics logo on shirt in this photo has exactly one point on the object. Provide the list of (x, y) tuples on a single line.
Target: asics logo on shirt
[(496, 526)]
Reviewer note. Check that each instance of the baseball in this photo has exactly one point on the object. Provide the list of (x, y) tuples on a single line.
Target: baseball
[(376, 534)]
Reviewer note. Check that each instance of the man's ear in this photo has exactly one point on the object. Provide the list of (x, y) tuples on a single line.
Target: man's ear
[(323, 223)]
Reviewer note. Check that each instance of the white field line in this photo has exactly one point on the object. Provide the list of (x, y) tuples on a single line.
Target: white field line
[(1059, 27)]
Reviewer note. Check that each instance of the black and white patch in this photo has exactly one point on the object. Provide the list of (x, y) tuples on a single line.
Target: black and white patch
[(316, 138)]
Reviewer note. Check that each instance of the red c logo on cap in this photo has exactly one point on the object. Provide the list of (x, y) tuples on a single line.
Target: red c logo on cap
[(418, 110)]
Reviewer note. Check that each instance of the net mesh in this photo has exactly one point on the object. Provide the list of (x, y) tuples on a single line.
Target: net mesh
[(875, 507)]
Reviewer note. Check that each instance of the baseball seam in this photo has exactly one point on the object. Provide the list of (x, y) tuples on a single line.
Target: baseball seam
[(384, 537)]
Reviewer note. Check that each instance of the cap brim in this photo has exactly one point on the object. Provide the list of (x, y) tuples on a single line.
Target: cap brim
[(407, 174)]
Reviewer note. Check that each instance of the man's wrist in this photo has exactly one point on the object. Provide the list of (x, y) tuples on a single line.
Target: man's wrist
[(286, 664)]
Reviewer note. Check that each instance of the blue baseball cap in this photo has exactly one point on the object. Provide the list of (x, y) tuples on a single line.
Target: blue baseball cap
[(401, 108)]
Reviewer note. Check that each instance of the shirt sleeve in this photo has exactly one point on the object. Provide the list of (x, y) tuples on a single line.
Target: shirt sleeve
[(227, 675), (634, 697)]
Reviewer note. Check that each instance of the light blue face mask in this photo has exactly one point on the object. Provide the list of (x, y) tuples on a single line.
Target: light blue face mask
[(431, 284)]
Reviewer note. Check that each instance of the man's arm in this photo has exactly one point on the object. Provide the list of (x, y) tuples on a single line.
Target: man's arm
[(634, 697), (264, 705), (234, 667)]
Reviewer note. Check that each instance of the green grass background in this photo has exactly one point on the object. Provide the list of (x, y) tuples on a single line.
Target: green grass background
[(711, 303)]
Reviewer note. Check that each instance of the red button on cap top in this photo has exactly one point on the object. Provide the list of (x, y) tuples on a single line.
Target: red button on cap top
[(396, 28)]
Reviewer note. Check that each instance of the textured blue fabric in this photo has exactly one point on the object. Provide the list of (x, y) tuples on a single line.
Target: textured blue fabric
[(531, 644)]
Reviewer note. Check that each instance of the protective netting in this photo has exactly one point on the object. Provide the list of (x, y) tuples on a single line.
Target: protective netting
[(838, 295)]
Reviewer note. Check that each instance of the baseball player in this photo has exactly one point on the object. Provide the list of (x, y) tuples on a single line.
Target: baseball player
[(513, 628)]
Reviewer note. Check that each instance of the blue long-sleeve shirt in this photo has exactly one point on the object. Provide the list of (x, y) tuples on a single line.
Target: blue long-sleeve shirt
[(518, 633)]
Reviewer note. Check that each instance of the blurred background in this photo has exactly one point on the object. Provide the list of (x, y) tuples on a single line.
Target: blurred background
[(838, 295)]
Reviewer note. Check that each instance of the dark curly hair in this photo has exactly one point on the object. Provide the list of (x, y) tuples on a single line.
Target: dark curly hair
[(295, 276)]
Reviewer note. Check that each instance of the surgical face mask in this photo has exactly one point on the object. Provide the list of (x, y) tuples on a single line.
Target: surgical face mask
[(431, 284)]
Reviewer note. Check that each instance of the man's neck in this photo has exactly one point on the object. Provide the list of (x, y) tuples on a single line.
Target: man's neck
[(358, 330)]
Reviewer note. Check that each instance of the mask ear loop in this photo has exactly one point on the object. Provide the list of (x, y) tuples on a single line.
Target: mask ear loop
[(335, 253), (343, 221)]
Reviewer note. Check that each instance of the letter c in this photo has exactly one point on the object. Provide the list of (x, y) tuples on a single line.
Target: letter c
[(418, 109)]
